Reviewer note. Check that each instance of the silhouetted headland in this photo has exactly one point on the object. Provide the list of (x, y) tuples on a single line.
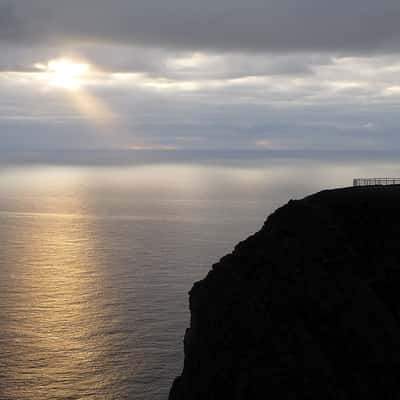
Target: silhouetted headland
[(307, 308)]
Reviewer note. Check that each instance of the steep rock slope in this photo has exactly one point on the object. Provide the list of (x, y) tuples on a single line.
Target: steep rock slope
[(307, 308)]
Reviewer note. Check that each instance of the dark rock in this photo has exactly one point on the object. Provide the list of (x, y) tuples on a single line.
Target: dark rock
[(307, 308)]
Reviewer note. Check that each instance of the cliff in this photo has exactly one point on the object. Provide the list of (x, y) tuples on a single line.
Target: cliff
[(307, 308)]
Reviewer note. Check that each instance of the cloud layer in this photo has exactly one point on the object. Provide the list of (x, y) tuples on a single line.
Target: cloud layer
[(288, 74)]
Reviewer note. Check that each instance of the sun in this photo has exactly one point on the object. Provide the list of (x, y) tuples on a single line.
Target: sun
[(64, 73), (74, 79)]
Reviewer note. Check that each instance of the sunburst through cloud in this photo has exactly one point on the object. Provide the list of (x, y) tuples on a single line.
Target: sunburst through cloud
[(72, 77), (64, 73)]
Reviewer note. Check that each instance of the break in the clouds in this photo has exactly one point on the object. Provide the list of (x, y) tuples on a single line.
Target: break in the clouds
[(288, 74)]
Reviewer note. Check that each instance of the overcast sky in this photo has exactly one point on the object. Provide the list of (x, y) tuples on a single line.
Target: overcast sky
[(265, 74)]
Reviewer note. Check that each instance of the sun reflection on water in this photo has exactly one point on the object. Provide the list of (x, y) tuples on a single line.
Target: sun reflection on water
[(58, 319)]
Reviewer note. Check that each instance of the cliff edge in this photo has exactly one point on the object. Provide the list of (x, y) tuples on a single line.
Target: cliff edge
[(307, 308)]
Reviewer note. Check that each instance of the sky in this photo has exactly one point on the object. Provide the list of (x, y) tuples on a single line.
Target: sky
[(185, 74)]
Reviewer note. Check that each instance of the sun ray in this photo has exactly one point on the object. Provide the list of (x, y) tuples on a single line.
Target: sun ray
[(71, 76), (93, 108), (73, 79)]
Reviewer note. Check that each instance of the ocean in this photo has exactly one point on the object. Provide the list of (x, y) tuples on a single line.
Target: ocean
[(99, 251)]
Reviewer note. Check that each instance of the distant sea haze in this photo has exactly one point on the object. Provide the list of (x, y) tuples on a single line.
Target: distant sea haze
[(99, 251), (109, 157)]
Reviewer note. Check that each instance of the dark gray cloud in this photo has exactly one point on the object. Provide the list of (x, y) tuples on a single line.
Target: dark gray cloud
[(341, 25), (164, 63), (9, 24)]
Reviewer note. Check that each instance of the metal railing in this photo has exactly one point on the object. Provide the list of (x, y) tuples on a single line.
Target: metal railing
[(375, 181)]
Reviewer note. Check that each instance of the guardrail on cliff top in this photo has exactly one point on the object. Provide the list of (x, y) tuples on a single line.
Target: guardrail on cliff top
[(376, 181)]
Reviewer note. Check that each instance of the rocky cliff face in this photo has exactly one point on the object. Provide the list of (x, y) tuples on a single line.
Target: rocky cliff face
[(307, 308)]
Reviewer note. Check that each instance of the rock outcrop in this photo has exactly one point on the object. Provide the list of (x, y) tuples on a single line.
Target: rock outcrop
[(307, 308)]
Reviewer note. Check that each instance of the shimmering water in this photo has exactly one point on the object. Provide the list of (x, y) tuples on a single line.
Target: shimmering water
[(96, 263)]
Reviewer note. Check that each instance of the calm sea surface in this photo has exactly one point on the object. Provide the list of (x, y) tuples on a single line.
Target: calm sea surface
[(96, 261)]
